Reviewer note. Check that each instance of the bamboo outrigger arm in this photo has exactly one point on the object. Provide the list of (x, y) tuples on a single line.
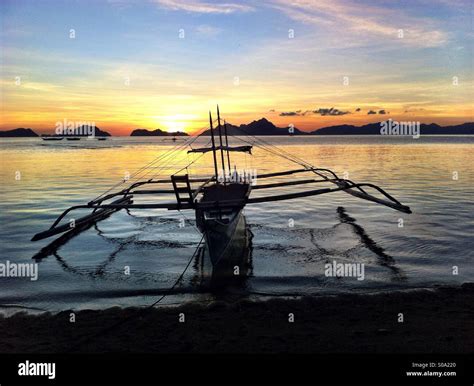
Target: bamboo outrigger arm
[(343, 183), (204, 180), (102, 211), (98, 214)]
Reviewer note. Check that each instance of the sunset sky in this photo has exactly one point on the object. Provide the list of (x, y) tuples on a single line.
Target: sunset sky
[(165, 63)]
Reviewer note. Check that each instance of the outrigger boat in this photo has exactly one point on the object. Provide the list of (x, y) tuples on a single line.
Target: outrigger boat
[(52, 138), (218, 200), (174, 138)]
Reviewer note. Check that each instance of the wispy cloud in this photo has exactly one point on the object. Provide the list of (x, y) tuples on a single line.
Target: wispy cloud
[(364, 21), (290, 113), (140, 74), (331, 111), (199, 6), (321, 111)]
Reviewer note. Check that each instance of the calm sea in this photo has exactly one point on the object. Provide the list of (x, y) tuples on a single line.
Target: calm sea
[(292, 240)]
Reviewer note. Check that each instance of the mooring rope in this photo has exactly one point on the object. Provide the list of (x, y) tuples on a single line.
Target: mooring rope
[(142, 310)]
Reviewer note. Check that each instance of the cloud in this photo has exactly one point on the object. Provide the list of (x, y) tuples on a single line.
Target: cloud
[(199, 6), (371, 112), (331, 111), (320, 111), (365, 23)]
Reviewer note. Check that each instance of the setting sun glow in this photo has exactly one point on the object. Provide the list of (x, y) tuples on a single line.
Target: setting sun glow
[(182, 60)]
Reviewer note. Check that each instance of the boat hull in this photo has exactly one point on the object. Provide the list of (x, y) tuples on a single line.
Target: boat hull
[(226, 251), (225, 240)]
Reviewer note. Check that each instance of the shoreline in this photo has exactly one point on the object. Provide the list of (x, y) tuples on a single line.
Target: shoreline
[(439, 320)]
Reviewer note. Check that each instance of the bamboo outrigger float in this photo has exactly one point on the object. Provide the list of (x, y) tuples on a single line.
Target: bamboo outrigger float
[(218, 201)]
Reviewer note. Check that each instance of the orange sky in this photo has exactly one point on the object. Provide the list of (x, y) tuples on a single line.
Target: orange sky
[(165, 64)]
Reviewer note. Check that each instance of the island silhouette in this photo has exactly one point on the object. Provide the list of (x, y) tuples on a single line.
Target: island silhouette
[(264, 127)]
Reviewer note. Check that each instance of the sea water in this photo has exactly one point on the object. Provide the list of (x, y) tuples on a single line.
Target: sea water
[(134, 256)]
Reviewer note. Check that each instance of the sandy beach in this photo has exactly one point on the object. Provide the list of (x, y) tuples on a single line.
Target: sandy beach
[(434, 321)]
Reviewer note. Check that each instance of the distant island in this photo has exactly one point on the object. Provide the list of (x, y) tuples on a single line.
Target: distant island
[(374, 129), (156, 133), (265, 127), (82, 131), (261, 127), (20, 132)]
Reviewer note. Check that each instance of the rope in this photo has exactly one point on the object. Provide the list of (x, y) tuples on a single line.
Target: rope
[(161, 157), (189, 164), (277, 150), (271, 148), (322, 173), (136, 173), (141, 311)]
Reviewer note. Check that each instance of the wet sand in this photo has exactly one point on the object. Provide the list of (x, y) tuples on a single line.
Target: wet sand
[(435, 321)]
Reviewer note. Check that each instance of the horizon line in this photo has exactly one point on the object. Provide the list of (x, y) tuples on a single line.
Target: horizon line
[(195, 132)]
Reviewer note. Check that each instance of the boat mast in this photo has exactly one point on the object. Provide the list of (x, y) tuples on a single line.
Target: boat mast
[(213, 147), (220, 140), (227, 145)]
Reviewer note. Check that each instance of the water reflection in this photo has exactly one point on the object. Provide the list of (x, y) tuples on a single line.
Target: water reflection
[(96, 272), (234, 276), (385, 260), (436, 236), (231, 274)]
